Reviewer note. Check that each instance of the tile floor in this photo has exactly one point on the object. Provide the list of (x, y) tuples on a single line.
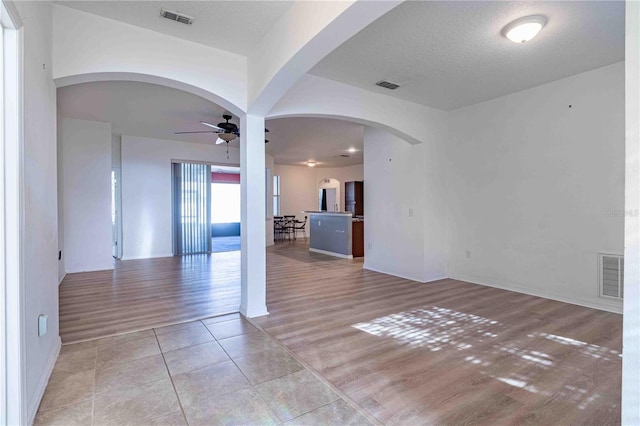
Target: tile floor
[(218, 371)]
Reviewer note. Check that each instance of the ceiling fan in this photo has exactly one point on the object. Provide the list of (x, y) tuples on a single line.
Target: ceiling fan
[(226, 131)]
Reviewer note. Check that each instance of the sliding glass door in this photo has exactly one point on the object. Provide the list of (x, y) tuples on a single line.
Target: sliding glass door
[(191, 208)]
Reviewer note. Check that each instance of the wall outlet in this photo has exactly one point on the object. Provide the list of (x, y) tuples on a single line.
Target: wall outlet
[(369, 245), (43, 325), (468, 254), (410, 212)]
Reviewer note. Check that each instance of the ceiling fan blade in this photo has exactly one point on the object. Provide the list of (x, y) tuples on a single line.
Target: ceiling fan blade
[(212, 125), (203, 131)]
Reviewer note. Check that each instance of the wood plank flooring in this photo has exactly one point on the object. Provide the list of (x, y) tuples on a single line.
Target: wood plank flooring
[(443, 353), (141, 294), (446, 352)]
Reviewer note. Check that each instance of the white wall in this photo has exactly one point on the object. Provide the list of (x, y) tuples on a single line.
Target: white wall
[(40, 237), (299, 185), (537, 187), (297, 189), (146, 190), (86, 153), (92, 48)]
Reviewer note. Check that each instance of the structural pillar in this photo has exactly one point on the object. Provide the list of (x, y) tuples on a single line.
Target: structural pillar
[(253, 213)]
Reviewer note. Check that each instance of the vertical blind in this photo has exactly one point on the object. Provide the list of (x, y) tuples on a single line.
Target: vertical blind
[(191, 208)]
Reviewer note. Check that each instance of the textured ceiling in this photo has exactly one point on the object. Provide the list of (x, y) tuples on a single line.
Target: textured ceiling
[(296, 140), (451, 54), (235, 26), (149, 110)]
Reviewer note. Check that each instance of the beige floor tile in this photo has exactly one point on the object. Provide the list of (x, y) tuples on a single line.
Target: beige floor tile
[(75, 414), (336, 413), (194, 357), (127, 337), (173, 340), (244, 407), (171, 419), (75, 360), (267, 365), (133, 373), (293, 395), (126, 351), (207, 384), (247, 344), (223, 330), (221, 318), (178, 327), (138, 405), (67, 388)]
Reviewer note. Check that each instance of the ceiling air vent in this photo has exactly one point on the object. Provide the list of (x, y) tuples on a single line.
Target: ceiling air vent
[(387, 85), (611, 268), (175, 16), (345, 155)]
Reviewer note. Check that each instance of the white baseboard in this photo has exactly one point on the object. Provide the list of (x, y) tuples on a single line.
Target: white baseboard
[(547, 295), (62, 278), (44, 380), (330, 253), (395, 274), (254, 313), (154, 256), (94, 268)]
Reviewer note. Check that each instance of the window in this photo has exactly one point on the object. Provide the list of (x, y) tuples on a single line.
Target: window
[(225, 203), (276, 195)]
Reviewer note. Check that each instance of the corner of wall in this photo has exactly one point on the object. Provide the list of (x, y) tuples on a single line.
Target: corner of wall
[(44, 381)]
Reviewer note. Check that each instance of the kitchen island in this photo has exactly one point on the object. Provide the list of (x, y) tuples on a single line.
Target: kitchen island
[(332, 233)]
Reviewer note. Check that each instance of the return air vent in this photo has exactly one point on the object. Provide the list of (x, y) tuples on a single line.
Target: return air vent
[(175, 16), (387, 85), (611, 267)]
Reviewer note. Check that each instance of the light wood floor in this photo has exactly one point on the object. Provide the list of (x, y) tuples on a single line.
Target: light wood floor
[(141, 294), (446, 352)]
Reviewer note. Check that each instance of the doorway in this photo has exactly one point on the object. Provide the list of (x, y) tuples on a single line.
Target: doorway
[(225, 209)]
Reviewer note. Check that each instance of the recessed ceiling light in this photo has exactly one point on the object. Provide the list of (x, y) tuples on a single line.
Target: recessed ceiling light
[(311, 163), (524, 29), (352, 150)]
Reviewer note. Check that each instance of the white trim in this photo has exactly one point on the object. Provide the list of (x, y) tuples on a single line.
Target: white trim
[(44, 381), (406, 277), (14, 395), (254, 314), (94, 268), (546, 295), (330, 253), (155, 256)]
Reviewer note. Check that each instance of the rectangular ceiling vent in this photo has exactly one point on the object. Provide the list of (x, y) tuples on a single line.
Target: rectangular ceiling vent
[(611, 267), (175, 16), (387, 85)]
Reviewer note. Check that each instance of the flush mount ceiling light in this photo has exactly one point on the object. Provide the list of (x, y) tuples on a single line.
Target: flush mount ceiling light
[(524, 29), (352, 150), (311, 163)]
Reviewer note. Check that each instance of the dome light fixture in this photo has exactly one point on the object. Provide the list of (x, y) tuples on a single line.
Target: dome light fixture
[(524, 29)]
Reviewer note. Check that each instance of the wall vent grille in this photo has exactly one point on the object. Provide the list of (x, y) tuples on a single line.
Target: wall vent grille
[(387, 85), (175, 16), (611, 276)]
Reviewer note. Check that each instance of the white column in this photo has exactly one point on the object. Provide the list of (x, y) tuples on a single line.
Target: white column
[(252, 183), (631, 318)]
